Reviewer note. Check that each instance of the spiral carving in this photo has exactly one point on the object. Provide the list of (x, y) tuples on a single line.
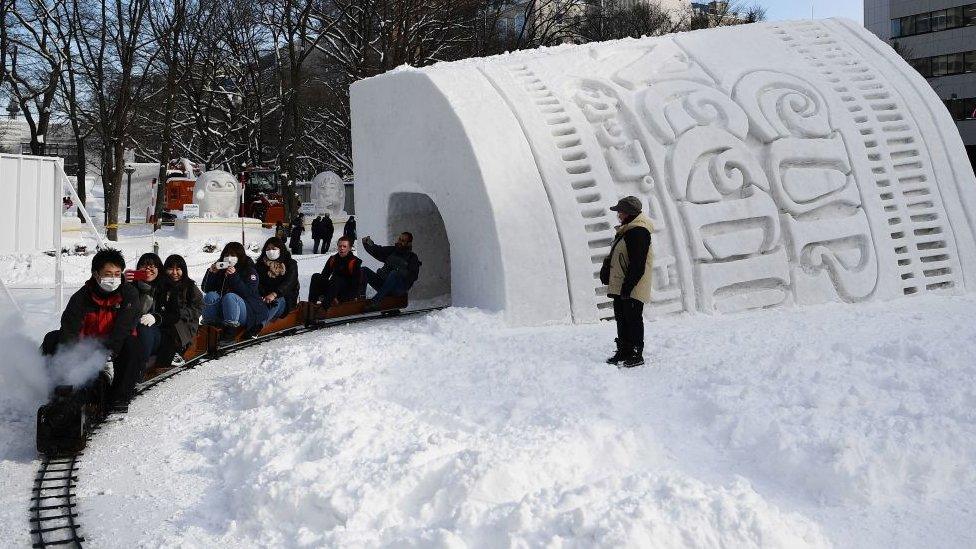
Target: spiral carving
[(780, 105)]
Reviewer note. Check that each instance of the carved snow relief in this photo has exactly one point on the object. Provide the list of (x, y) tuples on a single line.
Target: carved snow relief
[(781, 164)]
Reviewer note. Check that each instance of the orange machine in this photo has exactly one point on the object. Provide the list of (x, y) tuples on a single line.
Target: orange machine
[(179, 191), (262, 195)]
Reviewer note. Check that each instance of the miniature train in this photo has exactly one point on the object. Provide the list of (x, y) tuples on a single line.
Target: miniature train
[(64, 423)]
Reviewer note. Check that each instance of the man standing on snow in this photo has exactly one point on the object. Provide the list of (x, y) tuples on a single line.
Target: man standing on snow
[(627, 272)]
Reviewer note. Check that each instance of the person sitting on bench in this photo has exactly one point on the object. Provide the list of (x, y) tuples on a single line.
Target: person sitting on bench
[(105, 309), (340, 279), (401, 268)]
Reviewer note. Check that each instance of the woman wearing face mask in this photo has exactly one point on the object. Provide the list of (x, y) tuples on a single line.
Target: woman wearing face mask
[(179, 305), (277, 278), (107, 311), (149, 268), (231, 298)]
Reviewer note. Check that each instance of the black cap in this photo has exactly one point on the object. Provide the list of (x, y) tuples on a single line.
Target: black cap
[(630, 205)]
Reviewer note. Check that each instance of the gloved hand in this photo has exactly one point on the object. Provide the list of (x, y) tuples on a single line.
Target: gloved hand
[(147, 320)]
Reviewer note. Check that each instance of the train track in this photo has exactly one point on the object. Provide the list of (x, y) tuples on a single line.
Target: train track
[(53, 507)]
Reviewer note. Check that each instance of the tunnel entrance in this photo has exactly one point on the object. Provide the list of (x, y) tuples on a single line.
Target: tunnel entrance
[(416, 213)]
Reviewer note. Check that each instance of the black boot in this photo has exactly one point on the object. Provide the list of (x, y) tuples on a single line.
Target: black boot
[(622, 353), (636, 358)]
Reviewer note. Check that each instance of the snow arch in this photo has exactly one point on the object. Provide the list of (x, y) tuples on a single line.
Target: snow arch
[(825, 169)]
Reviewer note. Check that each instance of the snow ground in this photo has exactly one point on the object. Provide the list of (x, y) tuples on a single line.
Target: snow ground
[(834, 425)]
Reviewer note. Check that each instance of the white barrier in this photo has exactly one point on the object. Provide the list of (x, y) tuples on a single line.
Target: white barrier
[(35, 186)]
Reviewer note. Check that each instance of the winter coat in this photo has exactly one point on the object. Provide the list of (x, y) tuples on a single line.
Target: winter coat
[(297, 229), (349, 267), (400, 260), (93, 313), (285, 285), (179, 306), (281, 232), (627, 270), (147, 295), (349, 229), (326, 229), (244, 283)]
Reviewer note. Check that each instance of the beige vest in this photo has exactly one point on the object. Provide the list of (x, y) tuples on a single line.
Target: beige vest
[(619, 262)]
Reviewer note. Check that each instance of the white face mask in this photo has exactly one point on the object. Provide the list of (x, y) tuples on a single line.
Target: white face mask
[(109, 283), (272, 254), (232, 259)]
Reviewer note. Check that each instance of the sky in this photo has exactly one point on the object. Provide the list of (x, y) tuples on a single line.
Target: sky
[(777, 10)]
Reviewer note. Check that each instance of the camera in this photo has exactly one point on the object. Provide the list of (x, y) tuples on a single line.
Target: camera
[(222, 265)]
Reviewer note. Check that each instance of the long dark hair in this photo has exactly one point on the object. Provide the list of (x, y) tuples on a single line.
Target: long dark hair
[(151, 259), (285, 256), (236, 249), (177, 260)]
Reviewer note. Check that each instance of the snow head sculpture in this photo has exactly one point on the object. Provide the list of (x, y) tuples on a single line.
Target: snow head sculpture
[(218, 193), (823, 170), (329, 193)]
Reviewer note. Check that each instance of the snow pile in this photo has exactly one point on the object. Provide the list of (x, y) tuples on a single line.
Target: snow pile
[(328, 447), (901, 421), (832, 426)]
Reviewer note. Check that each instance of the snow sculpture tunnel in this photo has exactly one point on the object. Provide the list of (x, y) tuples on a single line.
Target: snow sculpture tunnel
[(783, 164)]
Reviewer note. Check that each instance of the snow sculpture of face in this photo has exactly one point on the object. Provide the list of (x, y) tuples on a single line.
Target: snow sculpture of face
[(218, 193), (329, 193)]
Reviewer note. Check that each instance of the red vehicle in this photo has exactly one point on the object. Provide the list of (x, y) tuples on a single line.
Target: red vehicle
[(262, 195)]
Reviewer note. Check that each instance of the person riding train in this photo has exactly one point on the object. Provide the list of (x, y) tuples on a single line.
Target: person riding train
[(401, 268), (178, 308), (340, 279), (277, 278), (105, 309), (231, 292), (146, 279)]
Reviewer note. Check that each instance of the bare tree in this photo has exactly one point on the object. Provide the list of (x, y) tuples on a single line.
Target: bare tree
[(115, 62), (36, 60)]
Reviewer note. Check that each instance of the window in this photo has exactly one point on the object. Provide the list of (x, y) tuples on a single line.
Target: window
[(908, 26), (939, 65), (934, 21), (923, 23), (954, 18), (895, 28), (970, 61), (923, 66), (954, 63)]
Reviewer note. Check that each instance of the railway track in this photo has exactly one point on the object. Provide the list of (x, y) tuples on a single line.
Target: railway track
[(53, 507)]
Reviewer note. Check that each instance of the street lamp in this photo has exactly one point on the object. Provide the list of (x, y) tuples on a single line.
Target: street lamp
[(128, 192)]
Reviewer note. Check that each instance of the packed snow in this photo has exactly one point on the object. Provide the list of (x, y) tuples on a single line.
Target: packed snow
[(829, 426)]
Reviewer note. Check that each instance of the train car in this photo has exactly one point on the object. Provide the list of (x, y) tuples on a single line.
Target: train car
[(64, 423)]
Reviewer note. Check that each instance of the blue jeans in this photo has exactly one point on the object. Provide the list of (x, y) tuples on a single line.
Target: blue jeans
[(393, 284), (276, 308), (230, 309), (149, 339)]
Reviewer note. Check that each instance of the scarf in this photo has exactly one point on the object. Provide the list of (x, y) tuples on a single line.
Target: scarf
[(275, 268)]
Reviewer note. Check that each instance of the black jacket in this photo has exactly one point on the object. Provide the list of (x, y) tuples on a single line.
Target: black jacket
[(297, 229), (395, 259), (349, 229), (109, 317), (349, 267), (285, 286), (323, 229), (244, 282), (179, 306)]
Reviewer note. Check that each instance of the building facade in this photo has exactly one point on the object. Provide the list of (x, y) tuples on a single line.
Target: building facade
[(938, 38)]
